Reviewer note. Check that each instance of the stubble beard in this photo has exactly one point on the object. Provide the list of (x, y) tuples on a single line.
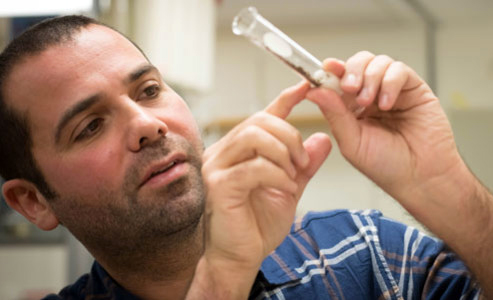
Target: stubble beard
[(135, 233)]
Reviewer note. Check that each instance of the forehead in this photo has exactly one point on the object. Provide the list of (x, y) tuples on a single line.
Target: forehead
[(49, 82)]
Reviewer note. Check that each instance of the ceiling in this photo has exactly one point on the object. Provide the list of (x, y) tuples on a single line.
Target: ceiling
[(340, 12)]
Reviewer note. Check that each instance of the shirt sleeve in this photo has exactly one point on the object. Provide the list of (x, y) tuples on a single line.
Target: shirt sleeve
[(346, 254), (423, 267)]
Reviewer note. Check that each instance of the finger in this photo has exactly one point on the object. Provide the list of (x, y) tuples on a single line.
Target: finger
[(318, 147), (342, 122), (284, 103), (251, 142), (329, 102), (392, 84), (284, 132), (355, 66), (334, 66), (259, 172), (280, 129), (372, 79)]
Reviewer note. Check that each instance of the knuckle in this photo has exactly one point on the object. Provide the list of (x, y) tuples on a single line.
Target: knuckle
[(374, 70), (365, 54), (260, 116), (258, 163), (389, 81), (281, 154), (253, 119), (213, 179), (250, 132), (296, 136), (384, 58), (371, 73), (283, 150), (240, 174), (260, 167), (399, 65)]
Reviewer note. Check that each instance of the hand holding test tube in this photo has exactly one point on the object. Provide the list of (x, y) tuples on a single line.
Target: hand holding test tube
[(262, 33)]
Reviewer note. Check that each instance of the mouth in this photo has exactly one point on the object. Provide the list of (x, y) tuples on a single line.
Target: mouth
[(164, 172), (166, 168)]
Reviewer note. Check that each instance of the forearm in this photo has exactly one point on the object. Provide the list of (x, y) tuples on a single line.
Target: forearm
[(478, 255), (459, 210), (216, 281)]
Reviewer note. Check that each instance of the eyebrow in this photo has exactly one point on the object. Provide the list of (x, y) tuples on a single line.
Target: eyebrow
[(88, 102), (139, 72), (74, 111)]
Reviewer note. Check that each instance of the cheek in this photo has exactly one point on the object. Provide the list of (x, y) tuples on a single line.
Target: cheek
[(190, 132), (84, 173), (180, 120)]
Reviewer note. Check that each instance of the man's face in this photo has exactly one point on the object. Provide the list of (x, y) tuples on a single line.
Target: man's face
[(117, 145)]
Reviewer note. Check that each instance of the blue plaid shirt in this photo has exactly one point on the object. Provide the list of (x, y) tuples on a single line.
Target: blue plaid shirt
[(338, 254)]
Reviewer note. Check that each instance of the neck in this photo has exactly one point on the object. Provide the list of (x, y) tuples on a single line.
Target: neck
[(165, 274)]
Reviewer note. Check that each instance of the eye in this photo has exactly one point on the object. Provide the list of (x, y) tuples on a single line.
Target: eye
[(150, 92), (91, 129)]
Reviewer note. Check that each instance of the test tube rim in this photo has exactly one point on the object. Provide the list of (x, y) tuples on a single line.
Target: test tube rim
[(247, 10)]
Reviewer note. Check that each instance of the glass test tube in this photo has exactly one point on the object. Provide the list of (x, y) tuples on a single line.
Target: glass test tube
[(262, 33)]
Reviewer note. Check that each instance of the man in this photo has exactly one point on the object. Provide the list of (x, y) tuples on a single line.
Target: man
[(99, 143)]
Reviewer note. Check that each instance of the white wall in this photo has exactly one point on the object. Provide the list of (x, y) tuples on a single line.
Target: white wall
[(465, 64), (465, 85), (27, 272)]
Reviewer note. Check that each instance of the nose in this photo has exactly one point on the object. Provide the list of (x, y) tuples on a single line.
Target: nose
[(144, 128)]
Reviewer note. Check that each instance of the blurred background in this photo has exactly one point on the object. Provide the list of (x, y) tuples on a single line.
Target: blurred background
[(225, 78)]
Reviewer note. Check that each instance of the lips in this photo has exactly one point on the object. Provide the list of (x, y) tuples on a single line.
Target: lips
[(162, 167), (166, 168)]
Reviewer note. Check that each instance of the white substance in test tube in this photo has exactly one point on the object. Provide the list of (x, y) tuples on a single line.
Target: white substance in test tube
[(277, 45)]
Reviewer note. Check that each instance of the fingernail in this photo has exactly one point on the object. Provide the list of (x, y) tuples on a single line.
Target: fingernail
[(351, 80)]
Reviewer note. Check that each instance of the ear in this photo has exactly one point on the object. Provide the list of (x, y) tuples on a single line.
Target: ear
[(24, 197)]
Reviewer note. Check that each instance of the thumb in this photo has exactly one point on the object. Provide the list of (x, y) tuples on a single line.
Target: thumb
[(318, 147), (343, 123)]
